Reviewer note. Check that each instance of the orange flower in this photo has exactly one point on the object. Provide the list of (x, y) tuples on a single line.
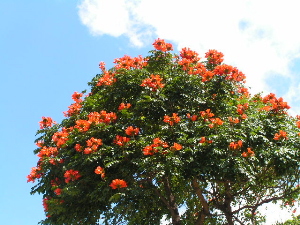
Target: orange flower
[(172, 120), (94, 143), (99, 170), (108, 78), (281, 135), (187, 53), (215, 122), (58, 191), (214, 57), (249, 153), (102, 66), (73, 109), (233, 120), (48, 152), (149, 150), (78, 148), (46, 122), (60, 137), (176, 147), (244, 91), (87, 151), (153, 83), (82, 125), (277, 104), (204, 140), (117, 183), (102, 117), (230, 72), (236, 145), (161, 45), (206, 114), (124, 106), (34, 174), (298, 123), (241, 108), (132, 131), (71, 175), (127, 62), (192, 118), (121, 141), (208, 75), (77, 97), (39, 143)]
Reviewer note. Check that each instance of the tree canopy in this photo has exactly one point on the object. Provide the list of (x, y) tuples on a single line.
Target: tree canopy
[(164, 134)]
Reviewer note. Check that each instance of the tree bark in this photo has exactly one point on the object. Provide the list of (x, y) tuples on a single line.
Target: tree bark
[(227, 204), (205, 208), (173, 208)]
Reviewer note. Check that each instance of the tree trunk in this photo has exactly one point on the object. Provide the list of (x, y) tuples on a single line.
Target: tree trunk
[(227, 204), (173, 208)]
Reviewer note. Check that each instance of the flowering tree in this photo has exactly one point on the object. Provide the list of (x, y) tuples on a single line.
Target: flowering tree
[(166, 133)]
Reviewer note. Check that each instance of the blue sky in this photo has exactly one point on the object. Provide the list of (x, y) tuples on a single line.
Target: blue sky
[(51, 48)]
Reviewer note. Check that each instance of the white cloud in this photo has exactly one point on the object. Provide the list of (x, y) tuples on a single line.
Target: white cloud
[(259, 37)]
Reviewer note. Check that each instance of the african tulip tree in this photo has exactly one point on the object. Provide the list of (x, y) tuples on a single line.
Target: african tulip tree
[(165, 132)]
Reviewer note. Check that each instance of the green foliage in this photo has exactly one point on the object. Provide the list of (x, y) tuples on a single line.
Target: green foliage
[(192, 137)]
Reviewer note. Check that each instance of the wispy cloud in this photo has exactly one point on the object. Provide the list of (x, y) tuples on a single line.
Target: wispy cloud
[(259, 37)]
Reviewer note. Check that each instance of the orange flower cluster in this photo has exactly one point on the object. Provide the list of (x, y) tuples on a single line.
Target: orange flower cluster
[(232, 73), (233, 120), (204, 140), (172, 119), (82, 125), (118, 183), (242, 108), (207, 76), (130, 131), (48, 152), (60, 137), (58, 191), (93, 144), (206, 114), (176, 147), (71, 175), (108, 78), (187, 53), (124, 106), (102, 117), (99, 170), (280, 135), (102, 66), (73, 109), (46, 122), (191, 117), (127, 62), (298, 121), (77, 97), (236, 145), (161, 45), (154, 82), (215, 122), (277, 104), (244, 91), (249, 153), (45, 204), (214, 57), (121, 141), (158, 143), (189, 57), (34, 174)]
